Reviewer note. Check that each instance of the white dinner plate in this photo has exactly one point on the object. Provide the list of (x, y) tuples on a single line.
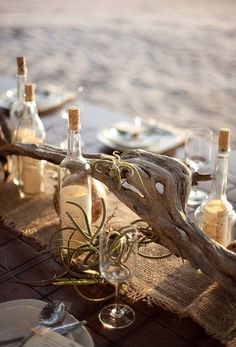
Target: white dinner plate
[(158, 139), (46, 98), (17, 316)]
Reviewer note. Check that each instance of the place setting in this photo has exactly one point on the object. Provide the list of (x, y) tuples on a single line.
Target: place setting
[(138, 133), (41, 321), (49, 97)]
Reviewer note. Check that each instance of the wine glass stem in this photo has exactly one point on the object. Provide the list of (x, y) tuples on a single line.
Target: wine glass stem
[(117, 311), (117, 295)]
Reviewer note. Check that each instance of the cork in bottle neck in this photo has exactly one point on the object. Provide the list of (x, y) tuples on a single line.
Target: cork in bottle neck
[(74, 118), (29, 92), (223, 139), (21, 66)]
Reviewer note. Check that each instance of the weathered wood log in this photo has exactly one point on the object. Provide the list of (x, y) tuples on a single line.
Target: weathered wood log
[(55, 155), (157, 192), (5, 133)]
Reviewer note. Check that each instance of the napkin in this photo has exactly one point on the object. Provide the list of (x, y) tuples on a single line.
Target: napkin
[(48, 338)]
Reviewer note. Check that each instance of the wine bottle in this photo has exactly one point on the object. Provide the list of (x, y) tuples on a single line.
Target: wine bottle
[(30, 130), (75, 187), (216, 216), (16, 110)]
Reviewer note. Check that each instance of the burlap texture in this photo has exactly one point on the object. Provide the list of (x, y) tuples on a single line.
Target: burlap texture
[(170, 282), (173, 284)]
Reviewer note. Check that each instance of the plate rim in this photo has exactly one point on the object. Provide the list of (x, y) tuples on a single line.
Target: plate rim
[(146, 142), (42, 106), (39, 304), (177, 138)]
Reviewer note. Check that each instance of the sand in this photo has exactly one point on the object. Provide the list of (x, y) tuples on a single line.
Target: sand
[(174, 61)]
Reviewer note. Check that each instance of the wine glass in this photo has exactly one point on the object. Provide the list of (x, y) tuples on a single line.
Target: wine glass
[(118, 251), (198, 150)]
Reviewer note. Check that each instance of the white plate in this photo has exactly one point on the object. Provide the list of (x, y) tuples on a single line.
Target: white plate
[(46, 98), (158, 139), (16, 315)]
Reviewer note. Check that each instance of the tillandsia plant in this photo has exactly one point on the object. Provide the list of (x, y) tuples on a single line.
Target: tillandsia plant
[(82, 263), (118, 170)]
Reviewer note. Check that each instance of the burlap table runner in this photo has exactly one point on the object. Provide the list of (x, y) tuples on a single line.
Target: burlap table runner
[(170, 282)]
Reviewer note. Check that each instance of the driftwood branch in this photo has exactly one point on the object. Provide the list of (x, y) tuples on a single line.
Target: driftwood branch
[(161, 203)]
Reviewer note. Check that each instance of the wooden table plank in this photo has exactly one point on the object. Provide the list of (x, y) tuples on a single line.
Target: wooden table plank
[(152, 334), (5, 237), (10, 290), (182, 327), (16, 253)]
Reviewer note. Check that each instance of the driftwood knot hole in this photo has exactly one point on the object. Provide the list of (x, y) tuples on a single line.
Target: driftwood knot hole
[(160, 188)]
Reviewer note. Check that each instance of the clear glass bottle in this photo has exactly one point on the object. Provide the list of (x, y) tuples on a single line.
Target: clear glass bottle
[(30, 130), (74, 184), (17, 110), (216, 216)]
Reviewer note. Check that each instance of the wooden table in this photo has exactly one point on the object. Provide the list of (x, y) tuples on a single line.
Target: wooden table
[(153, 325)]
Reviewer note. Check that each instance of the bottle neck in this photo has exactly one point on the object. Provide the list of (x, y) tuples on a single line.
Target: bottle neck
[(74, 144), (30, 120), (219, 182), (30, 109), (20, 85)]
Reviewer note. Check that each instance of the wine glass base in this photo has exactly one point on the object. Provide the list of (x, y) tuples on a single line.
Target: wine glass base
[(196, 197), (112, 320)]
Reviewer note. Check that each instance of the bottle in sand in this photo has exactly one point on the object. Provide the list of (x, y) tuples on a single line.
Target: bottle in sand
[(216, 216), (16, 110), (30, 130), (75, 193)]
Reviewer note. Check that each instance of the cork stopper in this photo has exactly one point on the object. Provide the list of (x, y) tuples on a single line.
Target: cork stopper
[(74, 118), (223, 139), (21, 66), (29, 92)]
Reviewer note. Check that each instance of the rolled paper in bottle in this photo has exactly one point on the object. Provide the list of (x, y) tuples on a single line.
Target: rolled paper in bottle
[(222, 227), (21, 66), (215, 221), (32, 176), (32, 170), (74, 118), (223, 139)]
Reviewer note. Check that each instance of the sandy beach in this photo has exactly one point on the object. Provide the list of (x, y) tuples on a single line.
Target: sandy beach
[(174, 61)]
